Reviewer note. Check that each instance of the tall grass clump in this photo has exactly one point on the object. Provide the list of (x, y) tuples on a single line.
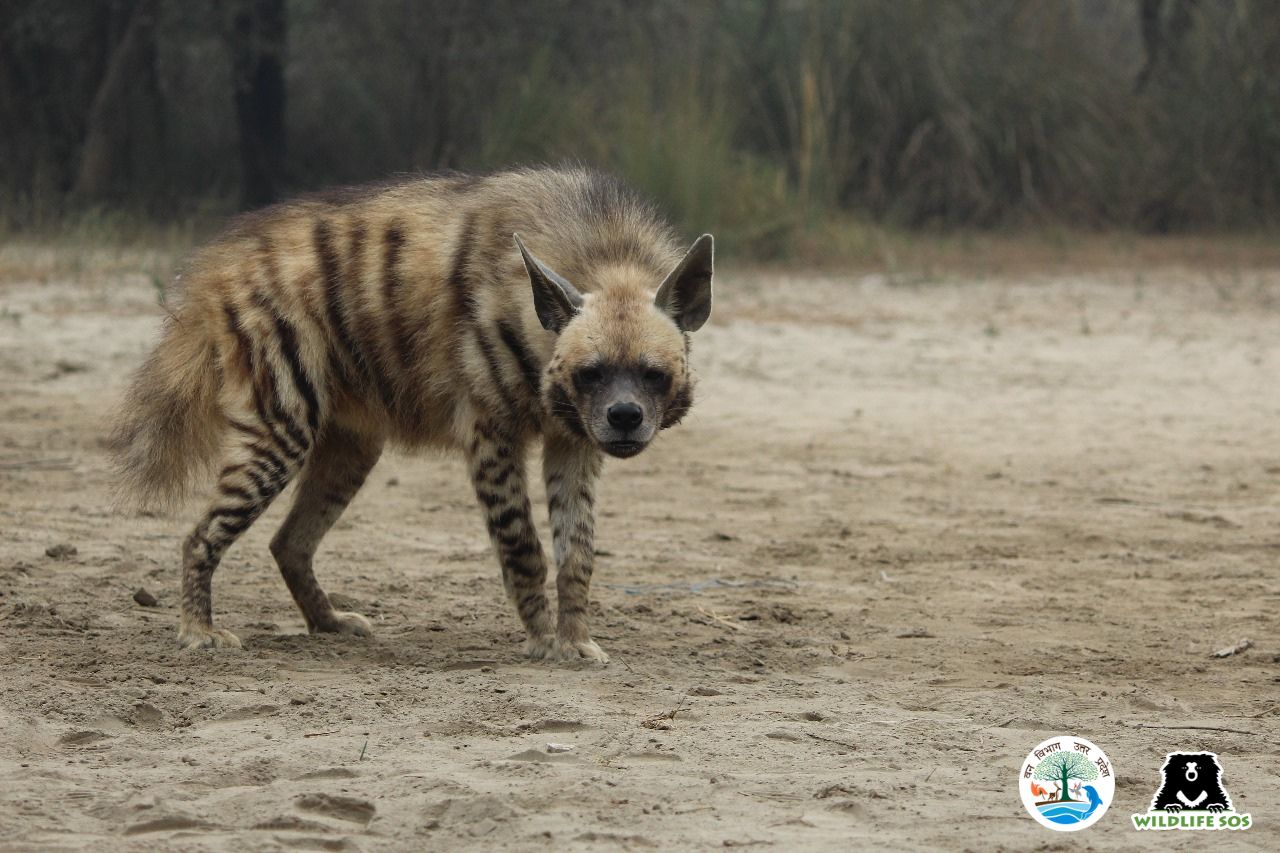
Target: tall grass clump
[(1209, 122), (672, 132)]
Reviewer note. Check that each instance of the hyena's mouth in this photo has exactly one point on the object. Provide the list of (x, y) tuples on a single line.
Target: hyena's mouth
[(624, 449)]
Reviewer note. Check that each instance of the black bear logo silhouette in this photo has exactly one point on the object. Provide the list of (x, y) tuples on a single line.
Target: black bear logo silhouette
[(1191, 781)]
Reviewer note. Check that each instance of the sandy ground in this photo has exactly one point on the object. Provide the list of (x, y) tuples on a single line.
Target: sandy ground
[(910, 530)]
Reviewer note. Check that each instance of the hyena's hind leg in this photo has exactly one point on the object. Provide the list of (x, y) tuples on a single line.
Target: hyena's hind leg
[(260, 468), (335, 471), (274, 411)]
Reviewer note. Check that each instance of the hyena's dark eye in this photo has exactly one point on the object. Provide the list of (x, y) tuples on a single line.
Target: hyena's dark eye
[(588, 377), (657, 379)]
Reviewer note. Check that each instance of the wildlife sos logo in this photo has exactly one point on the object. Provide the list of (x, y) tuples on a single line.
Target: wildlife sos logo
[(1191, 796), (1067, 783)]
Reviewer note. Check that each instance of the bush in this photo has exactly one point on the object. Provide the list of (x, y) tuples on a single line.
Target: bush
[(765, 120)]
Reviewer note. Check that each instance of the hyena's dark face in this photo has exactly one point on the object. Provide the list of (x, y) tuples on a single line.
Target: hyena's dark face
[(621, 404), (620, 371)]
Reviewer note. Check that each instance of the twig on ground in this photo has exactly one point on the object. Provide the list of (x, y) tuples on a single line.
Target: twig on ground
[(773, 795), (711, 614), (662, 722), (845, 744), (60, 464), (1242, 646), (1193, 728)]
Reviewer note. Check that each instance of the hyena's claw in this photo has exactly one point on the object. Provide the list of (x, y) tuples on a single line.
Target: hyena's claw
[(571, 650), (345, 622), (195, 637)]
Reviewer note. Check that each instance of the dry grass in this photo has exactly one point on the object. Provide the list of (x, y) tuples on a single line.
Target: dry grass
[(852, 248), (873, 249)]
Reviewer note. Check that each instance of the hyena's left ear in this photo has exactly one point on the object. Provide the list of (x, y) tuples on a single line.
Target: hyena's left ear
[(554, 299), (686, 294)]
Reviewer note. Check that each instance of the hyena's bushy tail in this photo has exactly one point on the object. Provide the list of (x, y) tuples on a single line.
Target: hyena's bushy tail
[(171, 424)]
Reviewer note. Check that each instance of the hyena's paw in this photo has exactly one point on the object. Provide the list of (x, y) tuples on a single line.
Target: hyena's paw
[(540, 648), (345, 622), (571, 650), (198, 637), (556, 648)]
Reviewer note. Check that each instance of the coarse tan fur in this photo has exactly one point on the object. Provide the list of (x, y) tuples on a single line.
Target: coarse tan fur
[(478, 314)]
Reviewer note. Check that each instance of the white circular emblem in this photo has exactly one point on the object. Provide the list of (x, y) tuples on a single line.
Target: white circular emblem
[(1067, 783)]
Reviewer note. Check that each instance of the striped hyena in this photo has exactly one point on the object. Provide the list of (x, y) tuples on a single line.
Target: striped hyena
[(313, 332)]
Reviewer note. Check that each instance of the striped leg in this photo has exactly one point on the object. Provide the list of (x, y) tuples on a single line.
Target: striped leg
[(278, 412), (498, 474), (335, 471), (571, 470), (263, 467)]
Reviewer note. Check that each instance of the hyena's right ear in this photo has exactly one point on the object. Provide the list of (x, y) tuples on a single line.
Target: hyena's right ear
[(555, 299)]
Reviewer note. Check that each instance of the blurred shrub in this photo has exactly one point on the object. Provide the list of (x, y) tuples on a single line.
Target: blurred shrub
[(764, 120)]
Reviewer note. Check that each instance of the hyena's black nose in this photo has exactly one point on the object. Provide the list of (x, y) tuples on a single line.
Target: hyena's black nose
[(625, 415)]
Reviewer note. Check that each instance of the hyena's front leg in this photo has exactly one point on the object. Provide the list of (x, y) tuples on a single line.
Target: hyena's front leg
[(498, 474), (571, 470)]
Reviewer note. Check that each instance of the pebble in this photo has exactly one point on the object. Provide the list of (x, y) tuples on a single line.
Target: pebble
[(701, 690)]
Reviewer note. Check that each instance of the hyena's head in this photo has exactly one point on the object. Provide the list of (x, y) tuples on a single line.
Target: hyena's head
[(620, 369)]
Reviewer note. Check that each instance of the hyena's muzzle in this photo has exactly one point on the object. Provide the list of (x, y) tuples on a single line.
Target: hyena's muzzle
[(625, 420)]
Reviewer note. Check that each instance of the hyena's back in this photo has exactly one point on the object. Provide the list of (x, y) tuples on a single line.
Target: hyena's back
[(359, 310)]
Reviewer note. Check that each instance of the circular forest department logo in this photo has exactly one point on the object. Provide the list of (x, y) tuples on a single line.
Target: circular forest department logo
[(1067, 783)]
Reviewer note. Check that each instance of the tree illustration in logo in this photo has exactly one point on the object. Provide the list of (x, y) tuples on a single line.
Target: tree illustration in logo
[(1062, 767)]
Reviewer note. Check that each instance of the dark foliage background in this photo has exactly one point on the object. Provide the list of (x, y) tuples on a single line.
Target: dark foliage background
[(759, 118)]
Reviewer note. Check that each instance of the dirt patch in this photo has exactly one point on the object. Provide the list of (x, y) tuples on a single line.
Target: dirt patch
[(907, 533)]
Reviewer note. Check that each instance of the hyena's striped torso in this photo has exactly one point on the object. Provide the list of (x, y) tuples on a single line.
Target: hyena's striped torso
[(313, 332), (410, 306)]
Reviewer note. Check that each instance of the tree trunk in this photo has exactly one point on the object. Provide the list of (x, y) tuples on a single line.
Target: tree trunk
[(255, 33), (1163, 35), (122, 143)]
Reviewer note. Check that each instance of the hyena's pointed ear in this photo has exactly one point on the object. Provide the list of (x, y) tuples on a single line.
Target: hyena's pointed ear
[(686, 294), (555, 299)]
